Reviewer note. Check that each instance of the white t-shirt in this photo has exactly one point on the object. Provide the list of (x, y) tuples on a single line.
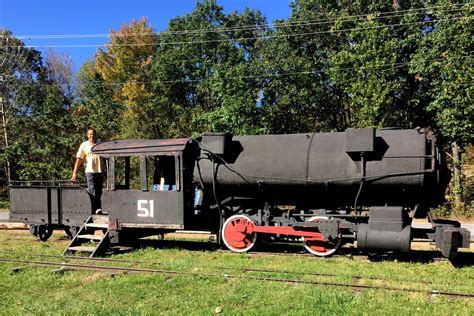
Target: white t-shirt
[(91, 161)]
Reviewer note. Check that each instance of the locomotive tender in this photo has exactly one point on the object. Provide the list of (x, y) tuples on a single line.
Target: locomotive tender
[(321, 189)]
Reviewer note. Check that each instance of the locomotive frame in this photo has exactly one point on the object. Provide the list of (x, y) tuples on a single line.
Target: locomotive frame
[(323, 190)]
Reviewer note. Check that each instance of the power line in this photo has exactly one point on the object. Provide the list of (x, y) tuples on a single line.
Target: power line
[(242, 38), (305, 22), (380, 68)]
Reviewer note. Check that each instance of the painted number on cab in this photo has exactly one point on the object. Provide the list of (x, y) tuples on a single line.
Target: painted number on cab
[(145, 208)]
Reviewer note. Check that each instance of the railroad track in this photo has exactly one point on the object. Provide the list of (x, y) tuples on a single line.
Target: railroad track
[(246, 270), (119, 269), (28, 238)]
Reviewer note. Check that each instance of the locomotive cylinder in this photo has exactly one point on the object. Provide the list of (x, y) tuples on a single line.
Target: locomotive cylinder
[(380, 239), (388, 228)]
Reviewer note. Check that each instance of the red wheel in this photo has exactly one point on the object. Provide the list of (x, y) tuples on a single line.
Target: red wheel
[(319, 246), (237, 233)]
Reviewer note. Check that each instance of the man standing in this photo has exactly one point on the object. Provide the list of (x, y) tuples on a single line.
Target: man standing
[(93, 168)]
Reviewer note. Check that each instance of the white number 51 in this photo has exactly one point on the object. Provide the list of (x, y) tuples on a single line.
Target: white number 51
[(143, 210)]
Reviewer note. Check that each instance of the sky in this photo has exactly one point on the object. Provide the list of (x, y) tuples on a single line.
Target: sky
[(74, 17)]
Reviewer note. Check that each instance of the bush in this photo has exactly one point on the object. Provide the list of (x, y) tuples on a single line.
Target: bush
[(4, 204)]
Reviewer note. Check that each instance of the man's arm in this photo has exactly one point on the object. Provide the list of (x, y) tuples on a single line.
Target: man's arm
[(76, 168)]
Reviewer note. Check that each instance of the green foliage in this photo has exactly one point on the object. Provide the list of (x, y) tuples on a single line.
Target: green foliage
[(445, 63), (205, 82), (328, 67), (371, 69), (38, 115), (4, 205), (44, 154), (114, 95), (463, 209), (297, 94), (95, 106)]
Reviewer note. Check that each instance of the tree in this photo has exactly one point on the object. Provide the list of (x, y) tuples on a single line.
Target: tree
[(124, 69), (18, 67), (297, 92), (94, 105), (204, 74), (36, 112), (59, 68), (371, 67), (445, 66)]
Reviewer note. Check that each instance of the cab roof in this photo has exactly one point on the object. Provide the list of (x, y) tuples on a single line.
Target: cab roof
[(137, 147)]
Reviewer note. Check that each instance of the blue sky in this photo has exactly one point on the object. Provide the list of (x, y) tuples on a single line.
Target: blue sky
[(54, 17)]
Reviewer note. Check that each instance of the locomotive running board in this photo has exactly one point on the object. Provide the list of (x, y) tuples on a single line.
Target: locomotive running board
[(97, 244)]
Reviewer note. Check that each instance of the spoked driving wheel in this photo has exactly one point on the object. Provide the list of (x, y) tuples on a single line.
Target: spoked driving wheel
[(237, 233), (317, 245)]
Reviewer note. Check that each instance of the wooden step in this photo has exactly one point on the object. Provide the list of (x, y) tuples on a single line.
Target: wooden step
[(96, 225), (90, 237), (100, 219), (82, 248)]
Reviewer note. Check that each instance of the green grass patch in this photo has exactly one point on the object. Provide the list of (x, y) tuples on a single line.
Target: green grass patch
[(40, 291)]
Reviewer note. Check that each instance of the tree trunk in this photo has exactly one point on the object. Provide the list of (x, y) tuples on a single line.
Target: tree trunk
[(457, 172), (5, 136)]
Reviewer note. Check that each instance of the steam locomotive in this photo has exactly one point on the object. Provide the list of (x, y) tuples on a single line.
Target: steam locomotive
[(319, 189)]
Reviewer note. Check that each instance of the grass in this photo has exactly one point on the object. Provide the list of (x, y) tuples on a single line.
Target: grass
[(39, 291)]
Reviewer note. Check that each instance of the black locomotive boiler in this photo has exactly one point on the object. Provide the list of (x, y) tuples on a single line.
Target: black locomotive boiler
[(321, 189)]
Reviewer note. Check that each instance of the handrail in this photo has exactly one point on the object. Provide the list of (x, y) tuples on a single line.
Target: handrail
[(45, 183)]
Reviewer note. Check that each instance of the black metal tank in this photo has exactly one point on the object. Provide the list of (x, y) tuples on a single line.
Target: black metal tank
[(387, 166)]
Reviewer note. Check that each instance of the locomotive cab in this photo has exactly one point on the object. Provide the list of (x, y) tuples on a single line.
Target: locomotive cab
[(148, 189)]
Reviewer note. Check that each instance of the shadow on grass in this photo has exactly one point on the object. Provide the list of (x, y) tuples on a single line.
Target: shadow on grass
[(464, 259)]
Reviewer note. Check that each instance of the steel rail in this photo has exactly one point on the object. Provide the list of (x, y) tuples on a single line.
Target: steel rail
[(19, 236), (84, 267), (28, 238), (98, 259), (276, 254), (359, 277), (11, 238)]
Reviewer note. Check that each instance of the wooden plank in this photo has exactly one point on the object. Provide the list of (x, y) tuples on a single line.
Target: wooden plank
[(100, 219), (90, 237), (82, 248), (95, 225)]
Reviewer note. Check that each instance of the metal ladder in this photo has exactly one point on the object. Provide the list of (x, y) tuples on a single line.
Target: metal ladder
[(87, 241)]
